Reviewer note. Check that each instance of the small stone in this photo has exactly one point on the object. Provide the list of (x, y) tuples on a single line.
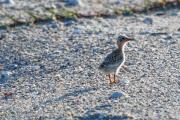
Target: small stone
[(7, 2), (124, 82), (173, 14), (178, 90), (80, 68), (58, 5), (159, 13), (73, 2), (2, 36), (116, 95), (7, 95), (77, 31), (12, 66), (4, 76), (178, 29), (1, 66), (69, 22), (117, 2), (148, 21), (54, 26), (144, 32), (168, 37)]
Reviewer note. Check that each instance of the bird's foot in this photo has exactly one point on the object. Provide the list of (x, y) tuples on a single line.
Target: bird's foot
[(112, 82)]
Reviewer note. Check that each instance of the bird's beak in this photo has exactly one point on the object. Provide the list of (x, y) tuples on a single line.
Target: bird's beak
[(130, 39)]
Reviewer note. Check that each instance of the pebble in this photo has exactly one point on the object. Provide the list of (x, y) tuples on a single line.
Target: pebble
[(116, 95), (8, 95), (2, 36), (58, 5), (178, 29), (173, 14), (12, 66), (148, 21), (73, 2), (69, 22), (168, 37), (4, 75), (159, 13), (77, 31), (7, 2), (124, 82)]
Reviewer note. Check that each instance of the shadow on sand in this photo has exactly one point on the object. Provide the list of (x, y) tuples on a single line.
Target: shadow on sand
[(71, 94), (102, 116)]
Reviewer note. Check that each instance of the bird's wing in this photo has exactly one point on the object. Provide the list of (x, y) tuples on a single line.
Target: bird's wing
[(113, 59)]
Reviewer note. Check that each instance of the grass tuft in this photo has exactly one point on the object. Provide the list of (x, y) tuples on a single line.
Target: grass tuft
[(67, 14), (127, 11)]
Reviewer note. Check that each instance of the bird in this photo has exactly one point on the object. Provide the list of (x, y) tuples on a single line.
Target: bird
[(114, 61)]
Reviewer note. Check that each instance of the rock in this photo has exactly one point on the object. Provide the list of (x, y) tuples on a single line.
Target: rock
[(116, 95), (7, 2), (7, 95), (148, 21), (77, 31), (2, 36), (144, 32), (124, 82), (173, 13), (95, 50), (117, 2), (69, 22), (168, 37), (158, 33), (58, 5), (4, 76), (73, 2), (1, 67), (178, 29), (159, 13), (12, 66)]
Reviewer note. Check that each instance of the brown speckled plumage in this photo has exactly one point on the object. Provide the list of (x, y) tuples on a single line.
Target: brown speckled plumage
[(113, 61)]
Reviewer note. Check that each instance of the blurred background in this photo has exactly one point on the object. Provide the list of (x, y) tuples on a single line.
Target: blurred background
[(29, 11)]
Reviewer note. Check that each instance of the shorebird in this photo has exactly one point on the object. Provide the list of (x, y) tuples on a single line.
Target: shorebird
[(115, 60)]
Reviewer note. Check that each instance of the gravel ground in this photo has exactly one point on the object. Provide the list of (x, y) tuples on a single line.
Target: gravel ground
[(50, 70)]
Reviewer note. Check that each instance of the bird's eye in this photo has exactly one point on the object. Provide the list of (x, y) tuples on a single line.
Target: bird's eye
[(121, 38)]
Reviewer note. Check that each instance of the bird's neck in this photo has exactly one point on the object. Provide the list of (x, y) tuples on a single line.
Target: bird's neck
[(122, 46)]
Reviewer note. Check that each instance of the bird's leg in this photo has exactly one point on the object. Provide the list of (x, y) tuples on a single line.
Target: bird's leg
[(114, 80), (110, 80)]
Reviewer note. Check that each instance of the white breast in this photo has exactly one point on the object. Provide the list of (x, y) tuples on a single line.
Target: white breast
[(118, 69)]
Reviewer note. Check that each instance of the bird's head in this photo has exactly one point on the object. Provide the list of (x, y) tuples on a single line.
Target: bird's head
[(122, 40)]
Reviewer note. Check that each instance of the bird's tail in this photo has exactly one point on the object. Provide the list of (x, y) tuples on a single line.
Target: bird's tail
[(101, 67)]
